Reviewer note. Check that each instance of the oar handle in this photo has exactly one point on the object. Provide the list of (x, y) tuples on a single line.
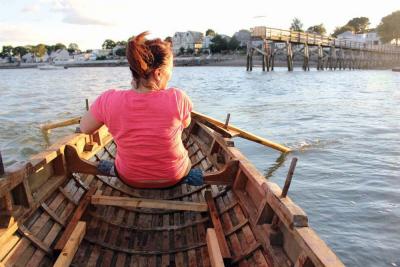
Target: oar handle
[(59, 124), (242, 133)]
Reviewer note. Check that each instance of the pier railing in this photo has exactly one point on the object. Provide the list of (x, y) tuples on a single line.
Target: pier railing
[(312, 39)]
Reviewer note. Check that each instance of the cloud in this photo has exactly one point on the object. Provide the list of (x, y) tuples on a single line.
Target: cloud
[(76, 18), (79, 12), (33, 8), (18, 34), (259, 17)]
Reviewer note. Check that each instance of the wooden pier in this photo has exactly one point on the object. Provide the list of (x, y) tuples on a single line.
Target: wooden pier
[(326, 52)]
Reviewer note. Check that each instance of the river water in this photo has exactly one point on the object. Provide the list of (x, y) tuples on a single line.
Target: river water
[(343, 126)]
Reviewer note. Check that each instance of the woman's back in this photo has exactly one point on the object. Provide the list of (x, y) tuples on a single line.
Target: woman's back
[(147, 129)]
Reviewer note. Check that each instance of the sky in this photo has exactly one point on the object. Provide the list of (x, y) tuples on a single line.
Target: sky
[(89, 22)]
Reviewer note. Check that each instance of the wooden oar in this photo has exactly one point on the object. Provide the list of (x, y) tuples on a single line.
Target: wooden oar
[(241, 133), (47, 127)]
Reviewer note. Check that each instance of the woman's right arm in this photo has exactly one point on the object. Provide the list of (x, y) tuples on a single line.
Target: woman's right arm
[(89, 124)]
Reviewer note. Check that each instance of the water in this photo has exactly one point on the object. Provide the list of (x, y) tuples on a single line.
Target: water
[(343, 125)]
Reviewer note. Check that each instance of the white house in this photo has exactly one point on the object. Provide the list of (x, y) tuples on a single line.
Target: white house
[(243, 36), (101, 52), (187, 40), (60, 55), (207, 41), (369, 38), (28, 58)]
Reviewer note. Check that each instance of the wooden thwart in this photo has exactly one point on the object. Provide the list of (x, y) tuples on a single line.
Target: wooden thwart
[(213, 249), (129, 202), (68, 252)]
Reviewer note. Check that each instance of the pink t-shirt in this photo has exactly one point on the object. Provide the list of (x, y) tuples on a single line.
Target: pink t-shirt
[(147, 129)]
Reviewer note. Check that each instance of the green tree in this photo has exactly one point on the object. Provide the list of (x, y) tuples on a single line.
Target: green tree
[(189, 51), (389, 28), (108, 44), (233, 44), (59, 46), (7, 51), (73, 47), (20, 51), (219, 44), (340, 30), (121, 43), (296, 25), (121, 52), (181, 50), (359, 24), (317, 29), (210, 32)]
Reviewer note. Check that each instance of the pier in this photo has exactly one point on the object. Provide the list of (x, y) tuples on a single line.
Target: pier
[(325, 52)]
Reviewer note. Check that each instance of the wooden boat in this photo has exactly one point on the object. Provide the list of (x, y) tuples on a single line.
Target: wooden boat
[(52, 216)]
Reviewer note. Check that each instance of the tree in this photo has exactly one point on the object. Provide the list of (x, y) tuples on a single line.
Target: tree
[(108, 44), (20, 51), (389, 28), (296, 25), (73, 47), (340, 30), (360, 24), (181, 50), (121, 43), (317, 29), (121, 52), (210, 32), (40, 50), (58, 46), (189, 51), (219, 44), (7, 51), (168, 39), (233, 44)]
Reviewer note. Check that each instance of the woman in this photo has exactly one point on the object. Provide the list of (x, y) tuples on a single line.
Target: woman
[(146, 123)]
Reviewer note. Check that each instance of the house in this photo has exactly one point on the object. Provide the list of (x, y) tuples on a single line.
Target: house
[(43, 58), (28, 58), (243, 36), (101, 52), (369, 38), (207, 41), (60, 55), (188, 40)]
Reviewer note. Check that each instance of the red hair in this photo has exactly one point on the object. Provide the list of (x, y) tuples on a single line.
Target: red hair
[(144, 56)]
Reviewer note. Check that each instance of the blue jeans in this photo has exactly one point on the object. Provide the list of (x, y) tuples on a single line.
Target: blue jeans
[(194, 177)]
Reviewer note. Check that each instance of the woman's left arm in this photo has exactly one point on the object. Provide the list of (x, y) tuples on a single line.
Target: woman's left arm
[(89, 124)]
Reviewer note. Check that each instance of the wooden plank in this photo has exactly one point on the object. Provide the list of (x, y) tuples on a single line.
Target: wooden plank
[(71, 246), (213, 249), (75, 219), (148, 203), (217, 225), (37, 242)]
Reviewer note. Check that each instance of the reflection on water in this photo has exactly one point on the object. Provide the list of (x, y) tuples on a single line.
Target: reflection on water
[(343, 125)]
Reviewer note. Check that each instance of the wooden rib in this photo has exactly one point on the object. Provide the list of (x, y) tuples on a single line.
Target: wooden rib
[(109, 153), (236, 227), (148, 203), (199, 161), (142, 252), (122, 190), (37, 242), (153, 228), (80, 182), (247, 253), (75, 218), (217, 225), (67, 195), (228, 207), (52, 214), (194, 152), (70, 248), (213, 249)]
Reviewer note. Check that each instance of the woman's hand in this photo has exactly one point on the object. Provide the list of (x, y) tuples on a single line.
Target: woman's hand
[(89, 124)]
